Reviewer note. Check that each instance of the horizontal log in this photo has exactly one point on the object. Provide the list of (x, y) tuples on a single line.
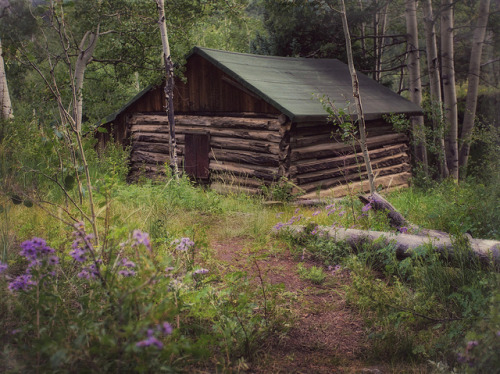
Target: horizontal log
[(355, 176), (245, 157), (388, 182), (307, 166), (244, 144), (207, 122), (328, 149), (138, 156), (401, 158), (405, 245), (263, 172), (150, 147), (271, 136)]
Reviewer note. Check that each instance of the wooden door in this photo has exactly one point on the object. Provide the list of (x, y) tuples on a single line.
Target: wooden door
[(196, 161)]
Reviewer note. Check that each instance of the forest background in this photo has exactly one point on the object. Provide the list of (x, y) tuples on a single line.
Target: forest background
[(67, 64)]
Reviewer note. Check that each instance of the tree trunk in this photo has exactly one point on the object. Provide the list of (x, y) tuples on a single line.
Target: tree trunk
[(435, 86), (415, 82), (450, 96), (381, 41), (472, 89), (6, 106), (357, 99), (169, 85), (486, 251), (83, 59)]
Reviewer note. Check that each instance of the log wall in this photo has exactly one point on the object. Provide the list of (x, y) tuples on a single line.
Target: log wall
[(321, 163), (244, 152), (247, 153)]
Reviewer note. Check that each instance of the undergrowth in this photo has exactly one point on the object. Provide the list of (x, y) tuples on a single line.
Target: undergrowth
[(426, 308)]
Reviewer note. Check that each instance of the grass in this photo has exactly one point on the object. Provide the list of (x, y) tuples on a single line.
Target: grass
[(419, 309)]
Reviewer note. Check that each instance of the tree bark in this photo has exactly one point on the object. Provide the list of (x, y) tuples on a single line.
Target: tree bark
[(83, 59), (472, 89), (357, 99), (420, 149), (5, 103), (435, 86), (486, 251), (449, 91), (169, 85)]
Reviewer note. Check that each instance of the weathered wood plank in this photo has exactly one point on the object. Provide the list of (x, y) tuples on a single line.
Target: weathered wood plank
[(329, 149), (355, 176), (388, 182), (208, 122), (267, 173), (245, 157), (307, 166), (400, 158)]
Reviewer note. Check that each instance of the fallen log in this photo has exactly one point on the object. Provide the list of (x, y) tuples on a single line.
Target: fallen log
[(486, 251), (396, 219)]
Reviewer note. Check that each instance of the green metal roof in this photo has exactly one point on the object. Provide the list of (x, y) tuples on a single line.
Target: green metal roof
[(293, 85)]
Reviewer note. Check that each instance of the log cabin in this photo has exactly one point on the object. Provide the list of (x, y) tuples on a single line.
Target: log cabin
[(245, 121)]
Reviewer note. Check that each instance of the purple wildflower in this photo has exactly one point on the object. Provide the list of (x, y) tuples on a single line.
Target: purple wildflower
[(278, 226), (366, 208), (278, 215), (168, 269), (403, 230), (22, 283), (498, 333), (471, 344), (141, 238), (127, 273), (297, 210), (151, 341), (315, 230), (341, 213), (78, 255), (127, 263), (200, 271), (316, 213), (184, 244), (166, 328), (461, 358), (53, 260), (3, 267)]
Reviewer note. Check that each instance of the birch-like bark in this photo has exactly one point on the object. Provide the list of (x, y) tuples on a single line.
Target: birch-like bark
[(84, 57), (415, 81), (473, 85), (435, 85), (5, 103), (449, 91), (381, 42), (169, 85), (357, 99)]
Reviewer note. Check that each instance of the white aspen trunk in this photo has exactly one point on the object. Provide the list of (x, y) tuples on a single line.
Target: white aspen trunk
[(83, 59), (169, 85), (435, 85), (381, 42), (473, 85), (6, 106), (357, 99), (415, 81), (449, 91)]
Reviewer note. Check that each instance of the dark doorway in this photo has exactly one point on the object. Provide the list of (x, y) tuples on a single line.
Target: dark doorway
[(196, 161)]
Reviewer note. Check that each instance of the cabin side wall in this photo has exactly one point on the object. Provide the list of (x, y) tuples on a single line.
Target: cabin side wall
[(320, 161)]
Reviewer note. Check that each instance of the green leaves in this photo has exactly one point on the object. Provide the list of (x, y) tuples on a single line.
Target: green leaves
[(69, 182)]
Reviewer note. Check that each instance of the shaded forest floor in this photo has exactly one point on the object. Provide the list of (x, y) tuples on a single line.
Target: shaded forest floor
[(324, 334)]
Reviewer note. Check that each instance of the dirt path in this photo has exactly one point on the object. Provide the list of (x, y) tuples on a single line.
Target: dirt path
[(326, 336)]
